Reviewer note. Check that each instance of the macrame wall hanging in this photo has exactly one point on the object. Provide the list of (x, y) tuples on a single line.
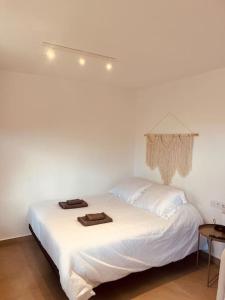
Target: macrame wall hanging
[(170, 152)]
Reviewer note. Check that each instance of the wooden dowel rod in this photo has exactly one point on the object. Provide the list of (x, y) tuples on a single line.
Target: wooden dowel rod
[(194, 134)]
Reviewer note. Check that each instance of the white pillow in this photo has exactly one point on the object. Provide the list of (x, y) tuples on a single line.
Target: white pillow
[(130, 189), (161, 199)]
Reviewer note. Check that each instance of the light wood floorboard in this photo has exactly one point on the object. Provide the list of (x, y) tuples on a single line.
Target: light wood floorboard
[(25, 274)]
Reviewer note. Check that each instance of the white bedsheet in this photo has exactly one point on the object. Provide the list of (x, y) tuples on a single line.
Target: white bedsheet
[(136, 240)]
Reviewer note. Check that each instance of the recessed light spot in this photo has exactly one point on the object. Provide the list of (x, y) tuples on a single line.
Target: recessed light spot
[(82, 61), (108, 66), (50, 54)]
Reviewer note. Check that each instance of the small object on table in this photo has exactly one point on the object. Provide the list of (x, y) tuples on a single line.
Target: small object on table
[(220, 228), (75, 203), (213, 232)]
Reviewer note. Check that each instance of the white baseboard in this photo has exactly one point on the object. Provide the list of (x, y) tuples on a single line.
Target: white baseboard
[(8, 238)]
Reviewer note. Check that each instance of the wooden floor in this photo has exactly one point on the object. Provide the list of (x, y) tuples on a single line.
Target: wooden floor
[(26, 275)]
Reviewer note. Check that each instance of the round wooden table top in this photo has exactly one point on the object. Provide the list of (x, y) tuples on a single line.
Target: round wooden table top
[(209, 231)]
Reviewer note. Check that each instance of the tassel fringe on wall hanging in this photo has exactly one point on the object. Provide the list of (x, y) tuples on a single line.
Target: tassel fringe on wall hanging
[(170, 153)]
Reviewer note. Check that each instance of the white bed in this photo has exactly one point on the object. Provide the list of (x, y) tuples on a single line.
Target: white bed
[(135, 241)]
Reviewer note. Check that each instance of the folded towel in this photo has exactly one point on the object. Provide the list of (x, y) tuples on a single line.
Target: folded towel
[(74, 201), (65, 205), (85, 222), (95, 217)]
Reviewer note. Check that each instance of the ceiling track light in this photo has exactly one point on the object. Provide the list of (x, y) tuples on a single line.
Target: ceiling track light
[(81, 53)]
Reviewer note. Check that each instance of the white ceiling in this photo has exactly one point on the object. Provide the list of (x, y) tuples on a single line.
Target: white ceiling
[(155, 40)]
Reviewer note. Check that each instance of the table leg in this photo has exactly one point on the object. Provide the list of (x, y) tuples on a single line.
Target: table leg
[(198, 248), (209, 259)]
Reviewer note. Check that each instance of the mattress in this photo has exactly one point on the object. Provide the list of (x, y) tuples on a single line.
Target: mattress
[(135, 241)]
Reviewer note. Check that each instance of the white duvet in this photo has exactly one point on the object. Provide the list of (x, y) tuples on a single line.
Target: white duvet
[(136, 240)]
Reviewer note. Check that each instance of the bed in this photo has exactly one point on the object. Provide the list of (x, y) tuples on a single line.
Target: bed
[(221, 283), (136, 240)]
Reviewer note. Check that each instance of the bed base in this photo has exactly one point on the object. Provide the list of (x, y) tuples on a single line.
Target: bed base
[(53, 265)]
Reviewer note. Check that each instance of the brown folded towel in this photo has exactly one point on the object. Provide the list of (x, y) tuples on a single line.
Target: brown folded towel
[(85, 222), (65, 205), (95, 217), (74, 201)]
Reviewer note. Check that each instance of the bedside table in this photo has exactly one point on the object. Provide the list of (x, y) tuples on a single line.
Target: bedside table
[(209, 231)]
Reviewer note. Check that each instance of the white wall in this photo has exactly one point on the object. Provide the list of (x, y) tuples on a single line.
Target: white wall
[(59, 139), (199, 102)]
